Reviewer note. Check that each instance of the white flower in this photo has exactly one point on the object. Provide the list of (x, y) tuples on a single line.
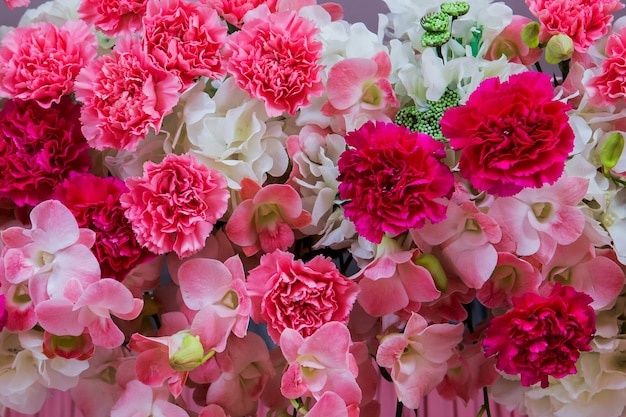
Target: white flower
[(232, 133)]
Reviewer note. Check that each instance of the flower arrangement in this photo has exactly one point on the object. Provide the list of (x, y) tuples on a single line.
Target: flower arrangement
[(221, 208)]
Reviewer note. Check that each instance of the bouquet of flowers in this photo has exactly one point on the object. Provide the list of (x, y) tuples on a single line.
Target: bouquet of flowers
[(254, 208)]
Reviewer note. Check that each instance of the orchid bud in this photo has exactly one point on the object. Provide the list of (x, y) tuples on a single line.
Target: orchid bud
[(530, 34), (432, 265), (189, 355), (560, 48), (612, 150)]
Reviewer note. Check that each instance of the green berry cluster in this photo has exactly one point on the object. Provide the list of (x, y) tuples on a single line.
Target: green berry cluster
[(427, 120), (438, 26)]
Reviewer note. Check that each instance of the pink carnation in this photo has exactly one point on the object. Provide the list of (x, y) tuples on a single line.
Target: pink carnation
[(95, 204), (275, 59), (610, 85), (585, 21), (542, 335), (39, 148), (175, 205), (288, 293), (233, 11), (113, 17), (393, 178), (40, 62), (185, 38), (512, 134), (124, 95)]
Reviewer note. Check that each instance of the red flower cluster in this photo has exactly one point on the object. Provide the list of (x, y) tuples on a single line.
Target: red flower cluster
[(393, 179), (542, 336)]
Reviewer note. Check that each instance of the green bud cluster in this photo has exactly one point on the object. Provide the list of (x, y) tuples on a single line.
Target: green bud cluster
[(427, 120), (438, 25)]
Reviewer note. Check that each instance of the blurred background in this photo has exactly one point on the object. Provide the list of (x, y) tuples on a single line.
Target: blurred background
[(365, 11)]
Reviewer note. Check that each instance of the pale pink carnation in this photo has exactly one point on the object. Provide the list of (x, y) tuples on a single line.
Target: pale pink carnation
[(124, 96), (114, 17), (233, 11), (610, 85), (288, 293), (542, 336), (12, 4), (41, 61), (512, 135), (39, 148), (95, 203), (175, 205), (275, 59), (393, 178), (585, 21), (185, 38)]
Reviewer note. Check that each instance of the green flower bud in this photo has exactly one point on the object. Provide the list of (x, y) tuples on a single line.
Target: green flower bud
[(560, 48), (455, 8), (189, 355), (435, 38), (530, 34), (432, 265), (435, 22), (612, 150)]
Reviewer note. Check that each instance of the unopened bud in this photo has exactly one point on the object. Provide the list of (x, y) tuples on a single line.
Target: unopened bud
[(560, 48), (432, 265), (189, 354), (530, 34), (611, 150)]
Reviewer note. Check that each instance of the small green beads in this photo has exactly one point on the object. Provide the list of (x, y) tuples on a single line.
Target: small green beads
[(435, 22), (427, 120), (455, 8)]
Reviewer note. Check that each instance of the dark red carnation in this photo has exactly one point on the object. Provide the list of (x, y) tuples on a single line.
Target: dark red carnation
[(393, 179), (39, 148), (542, 336)]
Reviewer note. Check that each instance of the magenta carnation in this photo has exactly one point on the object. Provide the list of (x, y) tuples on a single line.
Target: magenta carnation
[(288, 293), (95, 203), (512, 134), (40, 62), (185, 38), (175, 205), (276, 60), (542, 336), (124, 95), (39, 148), (393, 179)]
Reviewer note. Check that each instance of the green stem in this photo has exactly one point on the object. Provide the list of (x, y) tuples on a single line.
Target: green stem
[(486, 401)]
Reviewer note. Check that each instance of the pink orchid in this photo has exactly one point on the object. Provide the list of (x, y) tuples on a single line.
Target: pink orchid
[(154, 402), (316, 366), (90, 308), (217, 294), (538, 220), (392, 281), (332, 405), (237, 376), (51, 253), (579, 266), (168, 358), (359, 89), (512, 277), (68, 347), (266, 217), (418, 357), (20, 309), (467, 237)]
